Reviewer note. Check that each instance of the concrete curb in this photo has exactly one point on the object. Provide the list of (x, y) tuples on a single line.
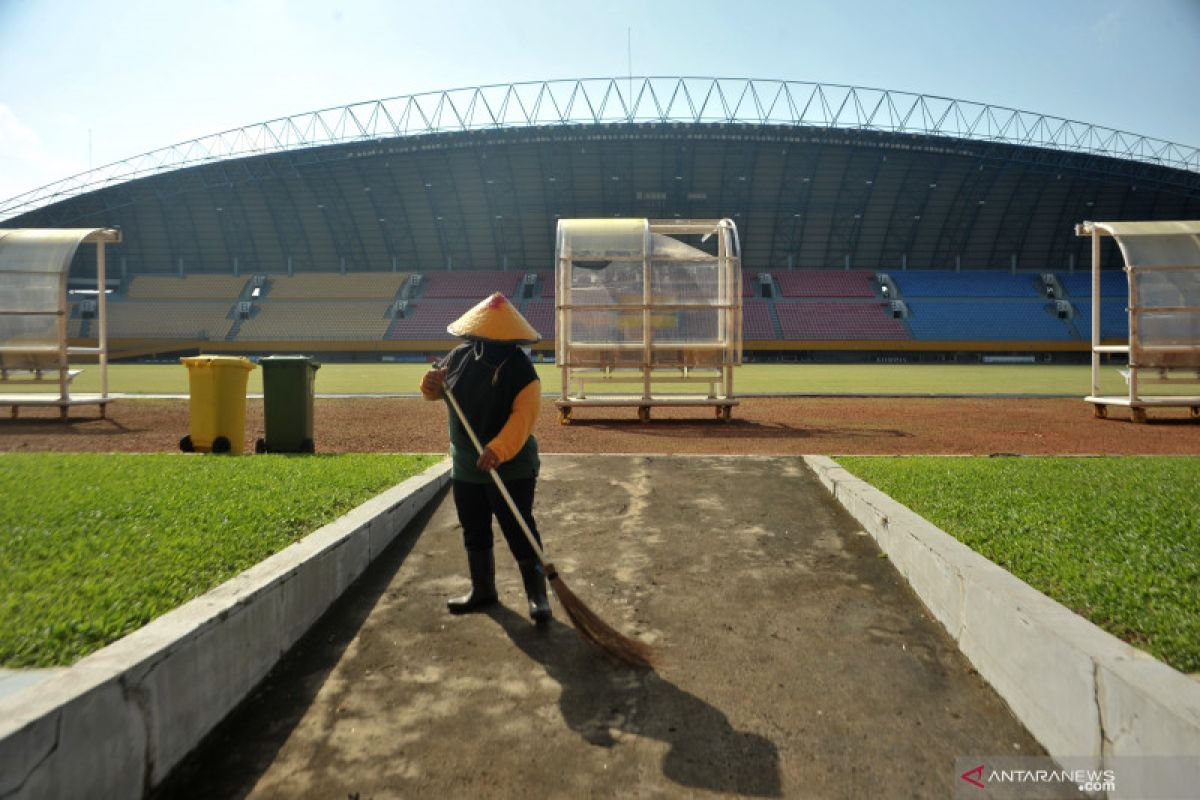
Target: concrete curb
[(115, 723), (1084, 694)]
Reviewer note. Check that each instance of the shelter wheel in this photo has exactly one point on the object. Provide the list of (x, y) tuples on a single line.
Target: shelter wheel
[(185, 444), (221, 445), (643, 413), (1194, 412), (726, 413), (564, 416), (1138, 414), (1100, 411)]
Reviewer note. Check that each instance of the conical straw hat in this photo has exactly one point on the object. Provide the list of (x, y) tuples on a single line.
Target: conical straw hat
[(494, 319)]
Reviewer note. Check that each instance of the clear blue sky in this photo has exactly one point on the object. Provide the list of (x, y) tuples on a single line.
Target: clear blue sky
[(142, 74)]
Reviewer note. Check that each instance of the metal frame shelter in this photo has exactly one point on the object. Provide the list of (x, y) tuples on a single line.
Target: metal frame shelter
[(1162, 263), (34, 265), (644, 303)]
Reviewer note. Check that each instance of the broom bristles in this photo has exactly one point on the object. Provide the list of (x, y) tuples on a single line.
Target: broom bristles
[(631, 652)]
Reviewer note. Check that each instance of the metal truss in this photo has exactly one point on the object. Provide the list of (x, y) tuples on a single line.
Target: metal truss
[(598, 101)]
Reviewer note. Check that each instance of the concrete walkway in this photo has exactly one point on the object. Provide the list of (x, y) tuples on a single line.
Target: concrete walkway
[(796, 661)]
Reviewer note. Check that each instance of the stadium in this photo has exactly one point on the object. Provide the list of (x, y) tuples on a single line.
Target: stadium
[(911, 564), (872, 222)]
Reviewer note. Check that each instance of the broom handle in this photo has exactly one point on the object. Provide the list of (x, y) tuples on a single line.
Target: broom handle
[(537, 549)]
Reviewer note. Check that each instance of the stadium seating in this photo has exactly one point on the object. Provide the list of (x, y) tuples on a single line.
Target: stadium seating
[(477, 285), (809, 305), (825, 283), (335, 286), (1114, 319), (541, 315), (168, 319), (1078, 285), (191, 287), (983, 320), (812, 321), (936, 283), (427, 321), (748, 284), (315, 321), (756, 320)]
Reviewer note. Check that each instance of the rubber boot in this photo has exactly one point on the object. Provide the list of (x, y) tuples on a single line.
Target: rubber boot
[(483, 584), (535, 590)]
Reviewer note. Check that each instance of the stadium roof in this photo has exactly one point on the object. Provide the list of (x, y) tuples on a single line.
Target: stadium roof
[(598, 101)]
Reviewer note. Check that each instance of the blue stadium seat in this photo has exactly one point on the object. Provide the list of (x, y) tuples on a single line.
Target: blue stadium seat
[(983, 320), (1079, 284), (935, 283)]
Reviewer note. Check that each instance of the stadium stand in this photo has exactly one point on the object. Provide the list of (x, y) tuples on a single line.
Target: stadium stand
[(809, 305), (335, 286), (937, 283), (427, 321), (1078, 285), (445, 285), (167, 319), (812, 321), (540, 314), (983, 320), (756, 320), (825, 283), (749, 283), (1114, 319), (190, 287), (316, 320)]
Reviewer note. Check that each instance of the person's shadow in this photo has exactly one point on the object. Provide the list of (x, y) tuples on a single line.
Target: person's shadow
[(599, 698)]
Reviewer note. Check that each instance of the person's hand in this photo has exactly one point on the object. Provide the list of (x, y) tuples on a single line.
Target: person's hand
[(488, 460), (433, 382)]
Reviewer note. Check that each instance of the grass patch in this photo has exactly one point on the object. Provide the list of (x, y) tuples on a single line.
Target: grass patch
[(94, 546), (970, 379), (1115, 539)]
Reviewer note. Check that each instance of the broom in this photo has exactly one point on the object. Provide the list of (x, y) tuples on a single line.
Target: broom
[(594, 630)]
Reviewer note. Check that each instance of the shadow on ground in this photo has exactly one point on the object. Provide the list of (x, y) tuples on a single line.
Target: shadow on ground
[(599, 704)]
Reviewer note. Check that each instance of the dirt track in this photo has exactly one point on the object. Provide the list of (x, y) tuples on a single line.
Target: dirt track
[(774, 426)]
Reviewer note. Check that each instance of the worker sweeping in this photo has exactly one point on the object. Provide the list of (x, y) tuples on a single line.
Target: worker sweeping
[(499, 394)]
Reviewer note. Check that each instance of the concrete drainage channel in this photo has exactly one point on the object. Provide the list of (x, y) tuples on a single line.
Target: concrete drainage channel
[(115, 723), (1091, 700)]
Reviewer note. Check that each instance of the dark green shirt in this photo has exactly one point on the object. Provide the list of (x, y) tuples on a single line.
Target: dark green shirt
[(485, 381)]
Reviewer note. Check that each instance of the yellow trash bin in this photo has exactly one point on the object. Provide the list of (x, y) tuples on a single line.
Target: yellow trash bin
[(217, 404)]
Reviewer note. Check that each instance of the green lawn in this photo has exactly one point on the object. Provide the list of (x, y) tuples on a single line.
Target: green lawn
[(1115, 539), (972, 379), (94, 546)]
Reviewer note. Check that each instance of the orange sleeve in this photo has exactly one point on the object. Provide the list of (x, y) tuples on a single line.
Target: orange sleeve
[(512, 436)]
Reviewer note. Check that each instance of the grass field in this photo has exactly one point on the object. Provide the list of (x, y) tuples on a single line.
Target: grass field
[(95, 546), (1114, 539), (970, 379)]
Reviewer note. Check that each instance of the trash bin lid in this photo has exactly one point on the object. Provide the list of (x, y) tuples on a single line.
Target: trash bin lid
[(217, 361), (290, 360)]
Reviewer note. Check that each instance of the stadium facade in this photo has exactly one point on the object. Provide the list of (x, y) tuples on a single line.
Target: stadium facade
[(870, 221), (816, 176)]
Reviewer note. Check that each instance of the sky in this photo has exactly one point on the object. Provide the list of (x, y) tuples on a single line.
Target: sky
[(86, 83)]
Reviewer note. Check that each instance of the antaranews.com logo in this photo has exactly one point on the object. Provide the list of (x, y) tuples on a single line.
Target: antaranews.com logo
[(1083, 781), (1037, 777)]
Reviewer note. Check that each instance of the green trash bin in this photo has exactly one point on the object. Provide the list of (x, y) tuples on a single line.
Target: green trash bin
[(287, 404)]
